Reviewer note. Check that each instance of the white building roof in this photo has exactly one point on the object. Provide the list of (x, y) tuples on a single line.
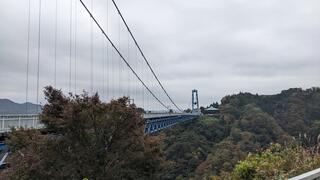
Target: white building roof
[(211, 109)]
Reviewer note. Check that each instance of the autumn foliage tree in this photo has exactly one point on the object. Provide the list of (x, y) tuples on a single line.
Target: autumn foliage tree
[(275, 162), (85, 138)]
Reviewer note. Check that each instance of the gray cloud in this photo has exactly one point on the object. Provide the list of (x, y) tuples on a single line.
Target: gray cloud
[(219, 47)]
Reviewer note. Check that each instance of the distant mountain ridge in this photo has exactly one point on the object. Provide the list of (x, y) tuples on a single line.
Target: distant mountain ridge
[(9, 107)]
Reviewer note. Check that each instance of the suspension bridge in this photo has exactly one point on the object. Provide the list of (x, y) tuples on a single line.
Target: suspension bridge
[(93, 49), (77, 45)]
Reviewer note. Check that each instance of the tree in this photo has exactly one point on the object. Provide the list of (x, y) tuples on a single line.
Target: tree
[(276, 162), (86, 139)]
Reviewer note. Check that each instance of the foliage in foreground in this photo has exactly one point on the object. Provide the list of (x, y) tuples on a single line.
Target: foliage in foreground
[(276, 162), (85, 138)]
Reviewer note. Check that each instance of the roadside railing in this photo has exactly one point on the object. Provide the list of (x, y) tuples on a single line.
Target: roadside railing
[(311, 175), (28, 121)]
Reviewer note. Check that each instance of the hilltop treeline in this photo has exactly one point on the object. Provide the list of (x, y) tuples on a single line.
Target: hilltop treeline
[(247, 123)]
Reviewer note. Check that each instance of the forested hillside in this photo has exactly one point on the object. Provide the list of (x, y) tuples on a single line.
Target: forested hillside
[(255, 137), (247, 123)]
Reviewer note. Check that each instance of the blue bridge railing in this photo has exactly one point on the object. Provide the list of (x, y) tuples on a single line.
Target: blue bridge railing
[(159, 123)]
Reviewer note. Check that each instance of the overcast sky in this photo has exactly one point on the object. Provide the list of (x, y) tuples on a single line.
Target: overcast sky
[(219, 47)]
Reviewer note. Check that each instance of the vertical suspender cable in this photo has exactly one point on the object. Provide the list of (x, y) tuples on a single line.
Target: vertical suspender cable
[(136, 83), (103, 67), (119, 62), (55, 43), (128, 72), (28, 58), (108, 85), (38, 63), (70, 45), (113, 67), (112, 74), (150, 84), (91, 53), (107, 73), (75, 44), (143, 92)]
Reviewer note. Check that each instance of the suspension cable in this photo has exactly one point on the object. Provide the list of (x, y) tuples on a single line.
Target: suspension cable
[(38, 58), (135, 41), (103, 67), (70, 45), (128, 72), (122, 57), (119, 62), (91, 53), (108, 73), (75, 44), (28, 58), (55, 44)]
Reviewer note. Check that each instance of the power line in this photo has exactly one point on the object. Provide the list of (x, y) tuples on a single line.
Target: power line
[(119, 53), (134, 39)]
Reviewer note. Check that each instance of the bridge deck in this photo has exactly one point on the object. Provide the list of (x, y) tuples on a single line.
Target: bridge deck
[(157, 124), (154, 121)]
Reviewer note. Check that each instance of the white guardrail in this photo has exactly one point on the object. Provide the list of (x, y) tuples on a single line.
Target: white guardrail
[(28, 121), (311, 175)]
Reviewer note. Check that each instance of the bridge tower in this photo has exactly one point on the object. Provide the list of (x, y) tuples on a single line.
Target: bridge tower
[(195, 101)]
